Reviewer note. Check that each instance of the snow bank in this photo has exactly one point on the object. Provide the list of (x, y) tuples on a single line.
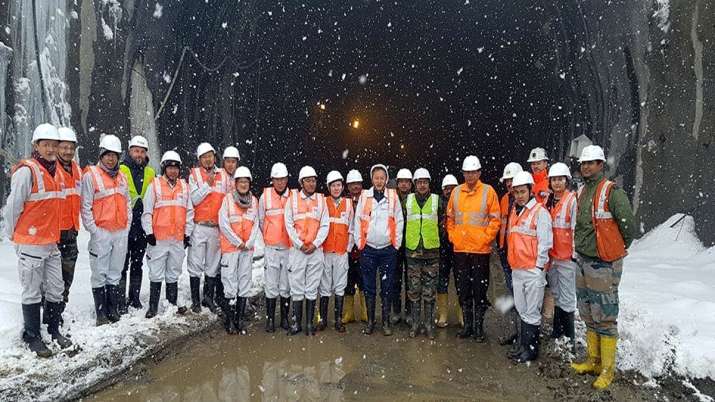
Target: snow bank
[(667, 317)]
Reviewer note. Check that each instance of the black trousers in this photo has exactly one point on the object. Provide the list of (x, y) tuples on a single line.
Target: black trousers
[(472, 278), (354, 275), (68, 253)]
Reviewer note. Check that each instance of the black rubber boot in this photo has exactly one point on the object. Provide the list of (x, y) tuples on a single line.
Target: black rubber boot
[(530, 344), (154, 294), (339, 326), (569, 331), (386, 323), (396, 315), (229, 316), (54, 310), (514, 336), (240, 312), (309, 316), (270, 315), (479, 334), (219, 296), (323, 322), (285, 308), (370, 304), (172, 295), (414, 319), (209, 287), (112, 305), (518, 346), (296, 326), (195, 283), (100, 299), (468, 317), (557, 330), (408, 311), (135, 286), (31, 334), (429, 320), (122, 305)]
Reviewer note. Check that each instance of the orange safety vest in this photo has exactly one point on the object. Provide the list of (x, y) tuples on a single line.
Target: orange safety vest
[(609, 240), (207, 210), (306, 215), (561, 220), (522, 244), (72, 183), (242, 221), (39, 223), (392, 200), (274, 226), (504, 209), (109, 206), (169, 216), (473, 215), (338, 235)]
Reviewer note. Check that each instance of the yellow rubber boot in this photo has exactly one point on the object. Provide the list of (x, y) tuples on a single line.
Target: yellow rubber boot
[(442, 307), (460, 316), (316, 317), (363, 307), (608, 362), (592, 364), (348, 311)]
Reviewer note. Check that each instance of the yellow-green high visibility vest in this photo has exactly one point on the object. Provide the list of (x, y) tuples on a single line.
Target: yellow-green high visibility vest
[(422, 222), (134, 195)]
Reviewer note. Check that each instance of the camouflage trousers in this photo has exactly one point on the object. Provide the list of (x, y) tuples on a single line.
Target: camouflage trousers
[(597, 291), (423, 278)]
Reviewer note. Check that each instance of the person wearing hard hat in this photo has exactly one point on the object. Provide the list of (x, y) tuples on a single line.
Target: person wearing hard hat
[(446, 254), (378, 233), (207, 186), (422, 245), (539, 163), (168, 220), (229, 162), (404, 188), (71, 175), (307, 223), (561, 276), (472, 225), (107, 215), (605, 227), (335, 249), (354, 293), (529, 239), (271, 210), (32, 221), (138, 175), (505, 206), (238, 223)]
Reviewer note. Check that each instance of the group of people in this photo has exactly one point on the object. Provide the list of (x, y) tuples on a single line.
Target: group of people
[(319, 246)]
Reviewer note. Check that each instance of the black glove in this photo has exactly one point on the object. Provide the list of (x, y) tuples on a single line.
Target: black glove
[(151, 239), (187, 241)]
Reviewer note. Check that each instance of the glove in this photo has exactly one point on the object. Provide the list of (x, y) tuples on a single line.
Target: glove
[(187, 241), (151, 239)]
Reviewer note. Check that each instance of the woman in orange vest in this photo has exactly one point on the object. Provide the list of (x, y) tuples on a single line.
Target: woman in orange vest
[(335, 249), (106, 214), (168, 220), (238, 223), (529, 240), (32, 221)]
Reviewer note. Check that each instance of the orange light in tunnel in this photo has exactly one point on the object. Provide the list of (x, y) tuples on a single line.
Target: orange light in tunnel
[(355, 123)]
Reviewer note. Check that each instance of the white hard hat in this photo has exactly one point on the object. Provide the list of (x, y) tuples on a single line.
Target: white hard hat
[(306, 171), (471, 163), (559, 169), (537, 154), (333, 175), (522, 178), (421, 173), (510, 170), (139, 141), (404, 174), (231, 152), (449, 180), (111, 143), (380, 166), (279, 171), (170, 156), (45, 131), (67, 134), (242, 171), (354, 176), (592, 153), (203, 148)]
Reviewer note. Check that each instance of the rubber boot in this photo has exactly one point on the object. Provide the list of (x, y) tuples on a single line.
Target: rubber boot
[(195, 283), (172, 295), (122, 304), (270, 315), (339, 327), (154, 293), (408, 313), (514, 336), (415, 319), (112, 305), (323, 321), (386, 322), (310, 314), (363, 307), (208, 300), (239, 314), (479, 335), (557, 330), (285, 307), (569, 331), (429, 320), (370, 307), (316, 316), (135, 286), (396, 314), (468, 320), (608, 362), (442, 310), (100, 299), (460, 315), (54, 311), (229, 316), (297, 318), (219, 296), (348, 309), (517, 347), (530, 343), (31, 333), (592, 364)]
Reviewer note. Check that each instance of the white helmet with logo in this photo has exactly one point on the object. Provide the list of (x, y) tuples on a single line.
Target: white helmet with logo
[(471, 163), (537, 154), (592, 153), (111, 143)]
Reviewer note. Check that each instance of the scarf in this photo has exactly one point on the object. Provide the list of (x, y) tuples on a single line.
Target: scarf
[(50, 166), (111, 172), (243, 200)]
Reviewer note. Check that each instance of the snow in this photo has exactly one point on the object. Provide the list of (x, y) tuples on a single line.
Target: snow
[(662, 14), (158, 8)]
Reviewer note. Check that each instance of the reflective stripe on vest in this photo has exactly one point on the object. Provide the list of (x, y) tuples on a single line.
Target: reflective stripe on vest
[(366, 213), (71, 189), (422, 225), (475, 218), (522, 243), (274, 229), (109, 206), (609, 240), (339, 232), (39, 223), (561, 220), (134, 195), (170, 205), (242, 221), (207, 210), (306, 215)]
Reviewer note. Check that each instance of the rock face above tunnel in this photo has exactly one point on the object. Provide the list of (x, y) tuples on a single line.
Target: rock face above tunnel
[(636, 76)]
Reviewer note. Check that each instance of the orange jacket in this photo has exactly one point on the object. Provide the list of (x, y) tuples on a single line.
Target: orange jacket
[(306, 216), (523, 245), (109, 203), (473, 218), (274, 228), (207, 209), (339, 232), (504, 209), (39, 223), (541, 186), (169, 216), (242, 221), (71, 204), (609, 240), (563, 223)]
